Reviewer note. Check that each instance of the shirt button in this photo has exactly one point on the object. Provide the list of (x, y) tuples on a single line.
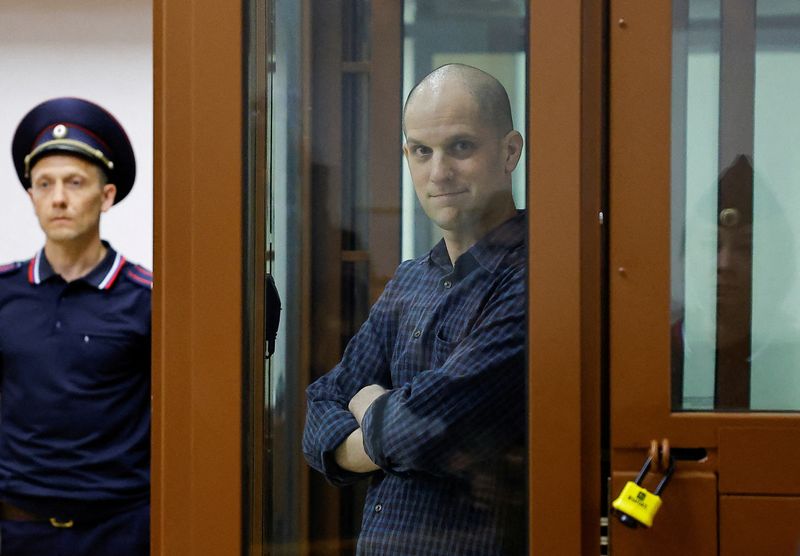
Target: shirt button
[(417, 333), (58, 324), (447, 284), (378, 508), (86, 339)]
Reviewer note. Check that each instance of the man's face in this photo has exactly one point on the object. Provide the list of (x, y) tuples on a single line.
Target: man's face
[(68, 197), (460, 165), (734, 264)]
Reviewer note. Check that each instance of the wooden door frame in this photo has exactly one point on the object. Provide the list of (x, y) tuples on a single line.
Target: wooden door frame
[(566, 134), (640, 170), (748, 453), (197, 302)]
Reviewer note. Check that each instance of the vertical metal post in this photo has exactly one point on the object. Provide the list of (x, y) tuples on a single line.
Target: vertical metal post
[(736, 137)]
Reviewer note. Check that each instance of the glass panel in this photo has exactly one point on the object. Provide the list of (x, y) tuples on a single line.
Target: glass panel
[(735, 176), (355, 30), (276, 223), (324, 153), (284, 385)]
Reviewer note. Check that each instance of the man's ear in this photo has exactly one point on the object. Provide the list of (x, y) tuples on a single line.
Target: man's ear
[(109, 194), (512, 149)]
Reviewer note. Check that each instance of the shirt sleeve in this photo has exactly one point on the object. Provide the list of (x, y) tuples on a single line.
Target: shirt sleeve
[(471, 409), (365, 361)]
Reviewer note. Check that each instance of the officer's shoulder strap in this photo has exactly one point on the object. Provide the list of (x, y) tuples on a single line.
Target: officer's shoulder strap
[(10, 268), (138, 274)]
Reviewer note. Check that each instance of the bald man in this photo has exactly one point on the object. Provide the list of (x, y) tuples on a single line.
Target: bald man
[(428, 402)]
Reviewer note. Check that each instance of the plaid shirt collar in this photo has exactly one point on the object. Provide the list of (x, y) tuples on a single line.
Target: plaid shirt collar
[(488, 251)]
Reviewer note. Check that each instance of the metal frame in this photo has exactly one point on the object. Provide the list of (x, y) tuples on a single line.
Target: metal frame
[(198, 319), (566, 135), (739, 445)]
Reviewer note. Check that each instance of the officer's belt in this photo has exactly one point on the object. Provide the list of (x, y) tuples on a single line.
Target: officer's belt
[(9, 512)]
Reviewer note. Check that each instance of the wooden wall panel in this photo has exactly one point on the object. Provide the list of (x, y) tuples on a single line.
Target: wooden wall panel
[(197, 322), (759, 460), (752, 525)]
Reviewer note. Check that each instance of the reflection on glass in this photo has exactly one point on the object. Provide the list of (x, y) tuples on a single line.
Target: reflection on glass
[(283, 388), (735, 177), (332, 72)]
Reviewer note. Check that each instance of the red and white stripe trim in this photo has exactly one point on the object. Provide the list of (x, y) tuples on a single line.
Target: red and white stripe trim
[(113, 272), (33, 268)]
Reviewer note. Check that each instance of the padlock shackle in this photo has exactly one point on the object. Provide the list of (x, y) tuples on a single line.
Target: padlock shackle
[(645, 468), (667, 476)]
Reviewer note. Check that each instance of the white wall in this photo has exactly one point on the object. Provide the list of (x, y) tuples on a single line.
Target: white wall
[(100, 50)]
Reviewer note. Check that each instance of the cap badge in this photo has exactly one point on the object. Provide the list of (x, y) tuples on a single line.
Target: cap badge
[(60, 131), (729, 217)]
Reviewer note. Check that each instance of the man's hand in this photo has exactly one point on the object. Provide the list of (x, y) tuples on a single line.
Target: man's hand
[(350, 454), (363, 399)]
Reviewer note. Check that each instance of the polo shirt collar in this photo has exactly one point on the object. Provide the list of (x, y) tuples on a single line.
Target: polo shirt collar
[(101, 277), (491, 249)]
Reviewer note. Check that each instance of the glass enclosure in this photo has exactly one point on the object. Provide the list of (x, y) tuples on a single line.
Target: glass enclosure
[(735, 178), (326, 84)]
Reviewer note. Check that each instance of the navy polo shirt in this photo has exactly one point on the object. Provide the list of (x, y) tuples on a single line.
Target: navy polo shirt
[(75, 379)]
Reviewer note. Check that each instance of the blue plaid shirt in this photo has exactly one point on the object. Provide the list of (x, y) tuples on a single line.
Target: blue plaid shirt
[(448, 341)]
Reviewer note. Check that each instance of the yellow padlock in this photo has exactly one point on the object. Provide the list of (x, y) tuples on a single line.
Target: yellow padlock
[(636, 505), (637, 502)]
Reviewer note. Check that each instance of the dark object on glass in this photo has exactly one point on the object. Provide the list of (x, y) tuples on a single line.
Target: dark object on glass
[(272, 314)]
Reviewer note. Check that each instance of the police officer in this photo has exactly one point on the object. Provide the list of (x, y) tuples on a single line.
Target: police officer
[(74, 349)]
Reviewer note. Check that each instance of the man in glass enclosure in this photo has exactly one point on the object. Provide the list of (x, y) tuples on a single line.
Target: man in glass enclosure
[(74, 350), (428, 401)]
